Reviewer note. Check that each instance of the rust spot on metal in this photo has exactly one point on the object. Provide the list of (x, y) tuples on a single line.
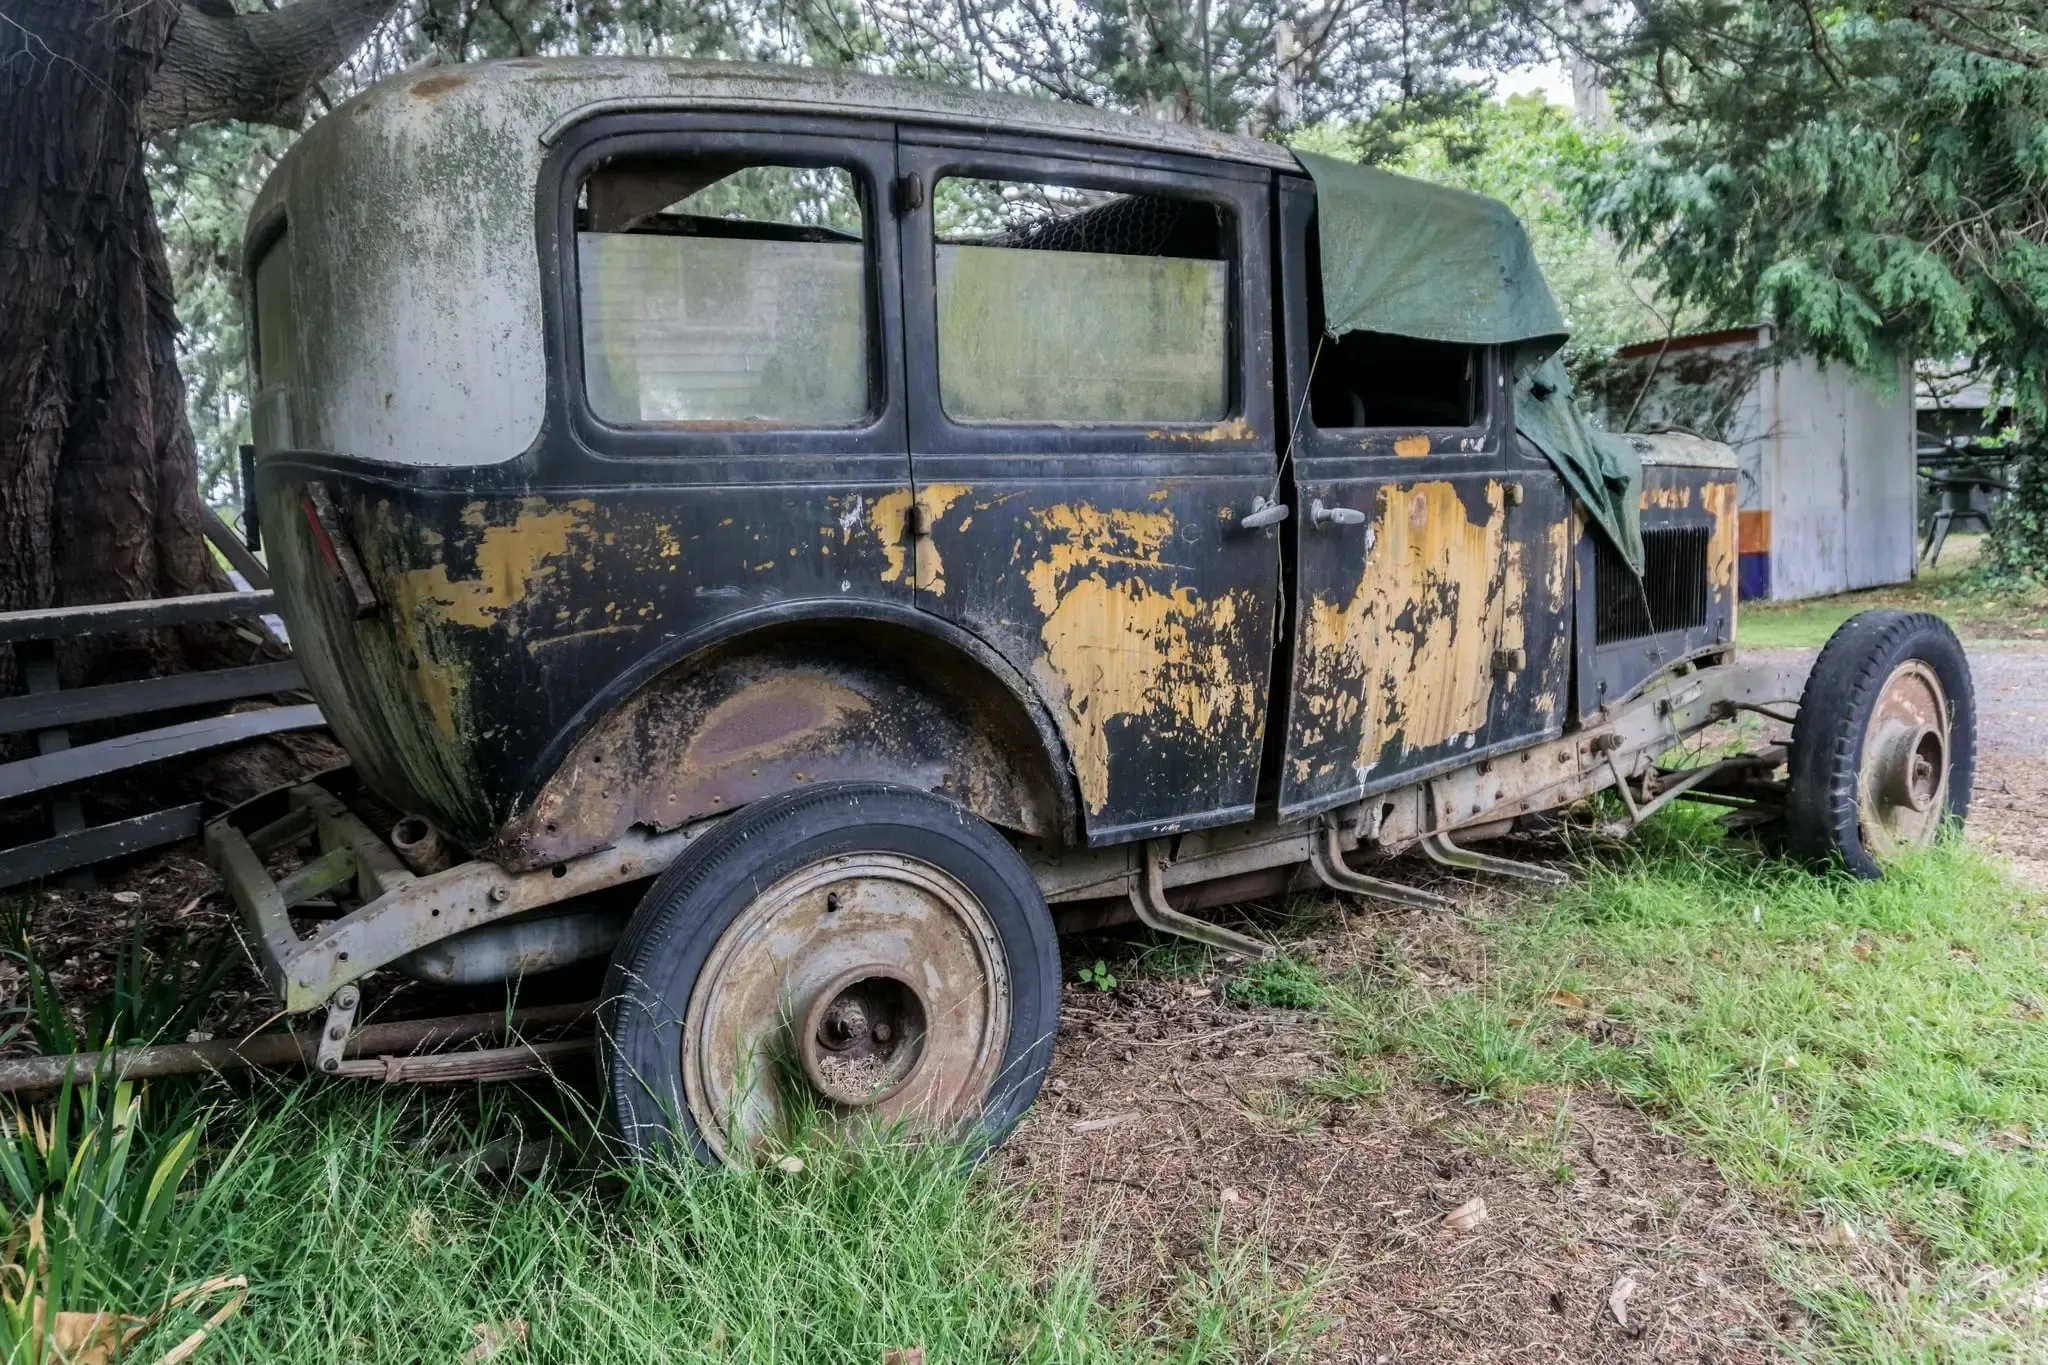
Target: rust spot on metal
[(1412, 447), (439, 84), (766, 721)]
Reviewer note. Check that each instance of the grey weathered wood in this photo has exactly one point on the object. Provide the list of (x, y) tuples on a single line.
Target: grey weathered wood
[(236, 549), (113, 700), (63, 623), (82, 848), (148, 746), (67, 812)]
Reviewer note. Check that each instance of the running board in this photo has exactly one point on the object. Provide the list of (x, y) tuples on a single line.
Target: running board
[(1148, 899), (1439, 847), (1326, 859)]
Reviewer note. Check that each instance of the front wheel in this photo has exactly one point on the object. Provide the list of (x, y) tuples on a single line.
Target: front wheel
[(849, 952), (1885, 746)]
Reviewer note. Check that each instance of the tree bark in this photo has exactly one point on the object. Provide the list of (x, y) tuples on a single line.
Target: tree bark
[(99, 490)]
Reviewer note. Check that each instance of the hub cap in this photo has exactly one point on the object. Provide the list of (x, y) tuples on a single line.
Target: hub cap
[(1902, 786), (869, 986)]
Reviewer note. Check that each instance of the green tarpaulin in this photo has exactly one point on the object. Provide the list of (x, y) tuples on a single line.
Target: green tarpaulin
[(1407, 258)]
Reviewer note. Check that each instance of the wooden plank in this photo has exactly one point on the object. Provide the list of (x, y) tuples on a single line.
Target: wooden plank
[(67, 812), (235, 549), (82, 704), (149, 746), (63, 623), (48, 857)]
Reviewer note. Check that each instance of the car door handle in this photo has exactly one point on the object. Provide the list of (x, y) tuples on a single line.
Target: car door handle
[(1264, 513), (1342, 516)]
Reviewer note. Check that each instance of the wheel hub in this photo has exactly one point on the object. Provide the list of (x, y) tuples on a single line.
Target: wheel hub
[(864, 1038), (1902, 786), (862, 986)]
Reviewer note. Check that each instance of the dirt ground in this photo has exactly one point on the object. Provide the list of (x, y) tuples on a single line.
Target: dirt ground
[(1171, 1112)]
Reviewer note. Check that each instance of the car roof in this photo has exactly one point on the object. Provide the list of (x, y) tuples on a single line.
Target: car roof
[(551, 93)]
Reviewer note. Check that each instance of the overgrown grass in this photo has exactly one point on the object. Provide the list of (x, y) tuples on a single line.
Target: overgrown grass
[(366, 1239), (1978, 608), (366, 1234), (1872, 1053)]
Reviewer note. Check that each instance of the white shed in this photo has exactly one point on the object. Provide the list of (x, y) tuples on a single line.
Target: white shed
[(1829, 482)]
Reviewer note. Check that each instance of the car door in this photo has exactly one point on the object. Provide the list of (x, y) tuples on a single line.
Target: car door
[(1432, 591), (1091, 421)]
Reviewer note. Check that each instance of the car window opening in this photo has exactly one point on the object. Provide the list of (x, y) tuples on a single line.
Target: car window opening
[(1363, 380), (1058, 303), (723, 290)]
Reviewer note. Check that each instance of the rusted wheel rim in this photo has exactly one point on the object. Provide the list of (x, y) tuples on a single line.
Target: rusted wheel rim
[(869, 985), (1902, 785)]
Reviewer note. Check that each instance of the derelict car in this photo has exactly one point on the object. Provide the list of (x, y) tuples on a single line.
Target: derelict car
[(894, 518)]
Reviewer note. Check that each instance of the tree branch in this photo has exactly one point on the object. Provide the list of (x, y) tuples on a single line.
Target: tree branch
[(258, 67)]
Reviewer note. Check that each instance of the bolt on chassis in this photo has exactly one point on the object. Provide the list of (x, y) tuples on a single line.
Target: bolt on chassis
[(880, 525)]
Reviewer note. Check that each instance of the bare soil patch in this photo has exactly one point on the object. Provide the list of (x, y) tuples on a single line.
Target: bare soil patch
[(1171, 1111)]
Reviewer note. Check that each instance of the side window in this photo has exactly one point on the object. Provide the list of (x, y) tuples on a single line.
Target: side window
[(1373, 379), (1063, 304), (1370, 379), (277, 345), (717, 290)]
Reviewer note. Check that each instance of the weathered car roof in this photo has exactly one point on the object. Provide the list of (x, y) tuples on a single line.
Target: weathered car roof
[(415, 281)]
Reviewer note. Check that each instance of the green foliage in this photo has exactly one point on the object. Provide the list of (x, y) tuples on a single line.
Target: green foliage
[(1860, 174), (89, 1211), (1282, 982), (1097, 975), (153, 995), (1528, 154)]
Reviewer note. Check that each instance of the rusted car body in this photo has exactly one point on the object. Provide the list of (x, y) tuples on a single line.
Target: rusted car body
[(1188, 601)]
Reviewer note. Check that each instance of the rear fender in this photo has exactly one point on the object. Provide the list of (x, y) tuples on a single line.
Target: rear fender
[(787, 706)]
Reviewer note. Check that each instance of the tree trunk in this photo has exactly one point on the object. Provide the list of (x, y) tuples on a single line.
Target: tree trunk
[(99, 492), (99, 481)]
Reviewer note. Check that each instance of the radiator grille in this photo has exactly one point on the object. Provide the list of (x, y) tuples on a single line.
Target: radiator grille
[(1671, 596)]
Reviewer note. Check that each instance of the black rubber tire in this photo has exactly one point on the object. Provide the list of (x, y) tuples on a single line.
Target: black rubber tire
[(1821, 826), (655, 966)]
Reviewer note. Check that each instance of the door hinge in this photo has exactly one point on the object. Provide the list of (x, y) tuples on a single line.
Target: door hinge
[(909, 192)]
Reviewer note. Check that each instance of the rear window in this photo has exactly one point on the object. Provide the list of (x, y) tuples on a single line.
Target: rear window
[(276, 327), (725, 291), (1063, 304)]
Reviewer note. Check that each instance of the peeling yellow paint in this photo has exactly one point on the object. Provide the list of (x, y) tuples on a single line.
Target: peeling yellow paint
[(510, 559), (1721, 503), (1669, 496), (1122, 639), (889, 516), (1411, 652), (933, 501), (1411, 447)]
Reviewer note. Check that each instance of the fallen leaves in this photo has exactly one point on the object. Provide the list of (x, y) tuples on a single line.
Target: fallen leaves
[(1618, 1297), (1467, 1215), (493, 1338), (1571, 1000), (1097, 1125)]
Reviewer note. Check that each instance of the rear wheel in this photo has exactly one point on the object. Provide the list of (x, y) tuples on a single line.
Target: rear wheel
[(852, 953), (1885, 746)]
